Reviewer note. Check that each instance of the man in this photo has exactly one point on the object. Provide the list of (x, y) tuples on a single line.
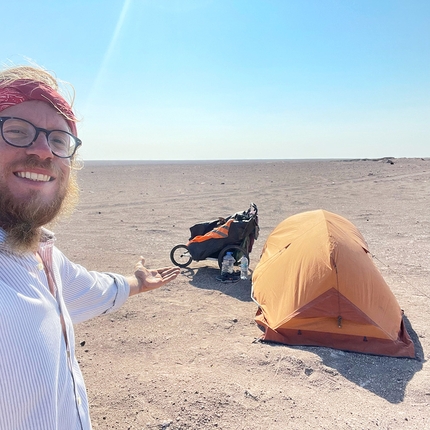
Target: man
[(42, 293)]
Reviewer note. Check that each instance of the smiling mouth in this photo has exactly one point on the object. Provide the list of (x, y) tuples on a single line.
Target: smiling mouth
[(38, 177)]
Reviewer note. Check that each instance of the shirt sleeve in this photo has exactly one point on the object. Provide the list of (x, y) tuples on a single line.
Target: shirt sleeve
[(88, 294)]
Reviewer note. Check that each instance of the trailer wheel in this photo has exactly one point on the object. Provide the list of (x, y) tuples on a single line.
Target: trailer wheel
[(237, 251), (180, 256)]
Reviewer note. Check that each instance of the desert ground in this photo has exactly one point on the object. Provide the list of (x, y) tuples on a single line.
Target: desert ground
[(188, 355)]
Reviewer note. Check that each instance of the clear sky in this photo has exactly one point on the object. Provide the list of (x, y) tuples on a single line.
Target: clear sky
[(235, 79)]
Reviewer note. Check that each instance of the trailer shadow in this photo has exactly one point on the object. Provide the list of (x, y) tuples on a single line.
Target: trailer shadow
[(205, 277)]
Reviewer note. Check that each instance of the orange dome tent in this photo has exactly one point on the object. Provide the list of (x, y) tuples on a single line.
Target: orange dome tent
[(316, 284)]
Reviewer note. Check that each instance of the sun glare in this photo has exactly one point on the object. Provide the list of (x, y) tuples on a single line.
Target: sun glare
[(108, 54)]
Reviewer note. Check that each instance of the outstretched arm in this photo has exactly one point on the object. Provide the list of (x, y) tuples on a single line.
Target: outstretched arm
[(149, 279)]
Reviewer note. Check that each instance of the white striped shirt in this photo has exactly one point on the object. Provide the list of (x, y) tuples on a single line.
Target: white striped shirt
[(41, 385)]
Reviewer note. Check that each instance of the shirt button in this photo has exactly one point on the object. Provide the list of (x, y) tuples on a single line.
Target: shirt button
[(40, 266)]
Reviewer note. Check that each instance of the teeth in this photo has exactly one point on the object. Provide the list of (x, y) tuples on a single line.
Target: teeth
[(34, 176)]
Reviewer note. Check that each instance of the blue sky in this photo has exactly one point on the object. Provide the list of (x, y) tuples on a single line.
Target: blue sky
[(235, 79)]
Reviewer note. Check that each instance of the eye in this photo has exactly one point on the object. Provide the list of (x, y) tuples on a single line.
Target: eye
[(18, 132), (59, 141), (15, 129)]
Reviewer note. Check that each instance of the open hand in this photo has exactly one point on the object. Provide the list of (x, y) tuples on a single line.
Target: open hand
[(150, 279)]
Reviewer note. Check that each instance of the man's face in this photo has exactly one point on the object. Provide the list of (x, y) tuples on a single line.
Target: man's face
[(33, 181), (34, 171)]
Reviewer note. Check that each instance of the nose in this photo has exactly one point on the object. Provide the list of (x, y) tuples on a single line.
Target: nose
[(40, 147)]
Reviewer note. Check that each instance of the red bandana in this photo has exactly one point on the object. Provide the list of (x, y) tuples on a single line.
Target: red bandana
[(23, 90)]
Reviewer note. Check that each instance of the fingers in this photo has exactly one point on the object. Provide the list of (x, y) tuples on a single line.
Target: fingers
[(170, 275), (167, 270), (166, 273), (161, 269)]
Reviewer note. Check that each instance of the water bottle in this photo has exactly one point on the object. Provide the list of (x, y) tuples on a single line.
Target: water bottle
[(244, 268), (227, 264)]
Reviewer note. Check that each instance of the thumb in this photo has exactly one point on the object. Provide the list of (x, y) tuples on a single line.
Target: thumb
[(140, 263)]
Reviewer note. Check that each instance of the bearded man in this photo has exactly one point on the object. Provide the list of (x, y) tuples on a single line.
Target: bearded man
[(42, 293)]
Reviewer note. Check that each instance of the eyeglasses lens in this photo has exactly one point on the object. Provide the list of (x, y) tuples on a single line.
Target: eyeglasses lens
[(61, 143), (18, 132)]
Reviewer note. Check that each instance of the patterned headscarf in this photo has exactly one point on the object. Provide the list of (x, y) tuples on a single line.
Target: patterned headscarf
[(23, 90)]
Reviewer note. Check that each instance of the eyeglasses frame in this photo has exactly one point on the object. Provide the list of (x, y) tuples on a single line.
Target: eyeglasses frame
[(38, 130)]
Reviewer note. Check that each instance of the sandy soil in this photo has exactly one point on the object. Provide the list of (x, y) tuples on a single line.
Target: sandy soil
[(187, 356)]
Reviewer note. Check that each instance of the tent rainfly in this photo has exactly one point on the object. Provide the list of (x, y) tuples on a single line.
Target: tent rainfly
[(316, 284)]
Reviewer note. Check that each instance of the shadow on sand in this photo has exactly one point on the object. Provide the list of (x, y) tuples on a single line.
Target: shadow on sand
[(387, 377), (206, 278)]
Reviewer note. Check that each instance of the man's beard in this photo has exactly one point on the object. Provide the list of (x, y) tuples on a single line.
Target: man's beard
[(22, 220)]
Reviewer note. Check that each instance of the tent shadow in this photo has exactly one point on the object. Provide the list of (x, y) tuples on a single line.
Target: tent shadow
[(387, 377), (206, 278)]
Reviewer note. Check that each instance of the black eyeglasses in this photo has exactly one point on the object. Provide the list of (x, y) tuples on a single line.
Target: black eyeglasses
[(21, 133)]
